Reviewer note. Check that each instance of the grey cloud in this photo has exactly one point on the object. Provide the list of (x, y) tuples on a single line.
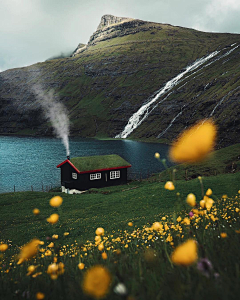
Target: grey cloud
[(35, 30)]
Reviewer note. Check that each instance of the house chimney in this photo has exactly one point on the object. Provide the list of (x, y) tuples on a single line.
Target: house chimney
[(68, 157)]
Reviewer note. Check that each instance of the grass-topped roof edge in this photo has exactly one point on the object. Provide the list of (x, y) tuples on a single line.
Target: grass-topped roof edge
[(87, 164)]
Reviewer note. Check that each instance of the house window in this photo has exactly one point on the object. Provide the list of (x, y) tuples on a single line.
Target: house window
[(114, 174), (74, 175), (95, 176)]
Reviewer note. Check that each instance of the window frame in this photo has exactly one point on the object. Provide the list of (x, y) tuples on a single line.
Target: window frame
[(74, 175), (115, 174), (95, 176)]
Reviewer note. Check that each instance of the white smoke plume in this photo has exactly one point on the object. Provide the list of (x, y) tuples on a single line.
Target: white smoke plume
[(55, 112)]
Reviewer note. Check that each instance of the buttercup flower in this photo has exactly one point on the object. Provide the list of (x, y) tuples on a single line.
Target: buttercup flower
[(96, 282), (157, 155), (100, 247), (104, 255), (209, 192), (194, 144), (31, 270), (223, 235), (185, 254), (99, 231), (36, 211), (40, 296), (56, 201), (191, 199), (157, 226), (81, 266), (169, 186), (28, 251), (53, 218), (3, 247)]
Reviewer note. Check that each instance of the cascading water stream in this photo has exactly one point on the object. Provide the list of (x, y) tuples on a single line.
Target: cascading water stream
[(179, 114), (138, 117), (221, 101)]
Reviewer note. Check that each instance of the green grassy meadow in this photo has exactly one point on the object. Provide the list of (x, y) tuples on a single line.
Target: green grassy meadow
[(133, 254), (143, 264)]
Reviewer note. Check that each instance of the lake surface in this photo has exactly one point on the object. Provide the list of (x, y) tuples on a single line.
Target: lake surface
[(28, 163)]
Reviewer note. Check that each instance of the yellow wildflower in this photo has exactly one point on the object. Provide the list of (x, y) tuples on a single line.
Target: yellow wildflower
[(31, 270), (179, 219), (81, 266), (55, 236), (130, 224), (51, 245), (169, 186), (104, 255), (40, 296), (96, 282), (185, 254), (48, 253), (223, 235), (53, 218), (157, 155), (99, 231), (56, 201), (36, 211), (55, 269), (100, 247), (186, 221), (194, 143), (209, 192), (28, 251), (3, 247), (157, 226), (202, 204), (191, 199), (66, 233)]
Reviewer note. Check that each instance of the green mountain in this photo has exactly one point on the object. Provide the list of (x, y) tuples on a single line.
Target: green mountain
[(175, 75)]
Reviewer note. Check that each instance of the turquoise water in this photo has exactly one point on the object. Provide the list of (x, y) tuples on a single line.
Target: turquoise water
[(30, 163)]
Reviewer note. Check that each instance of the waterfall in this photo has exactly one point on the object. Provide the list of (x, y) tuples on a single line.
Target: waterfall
[(221, 101), (138, 117), (163, 132)]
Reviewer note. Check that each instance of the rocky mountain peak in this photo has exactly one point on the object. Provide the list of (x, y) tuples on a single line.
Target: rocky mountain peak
[(108, 20)]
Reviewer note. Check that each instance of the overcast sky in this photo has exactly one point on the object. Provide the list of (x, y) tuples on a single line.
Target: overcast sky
[(35, 30)]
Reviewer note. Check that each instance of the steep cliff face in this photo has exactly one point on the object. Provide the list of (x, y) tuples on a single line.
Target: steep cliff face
[(108, 20), (124, 65)]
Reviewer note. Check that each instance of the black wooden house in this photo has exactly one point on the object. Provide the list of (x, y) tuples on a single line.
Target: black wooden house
[(83, 173)]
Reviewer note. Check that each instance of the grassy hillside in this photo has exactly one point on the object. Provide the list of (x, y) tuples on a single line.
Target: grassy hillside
[(131, 254), (111, 208), (105, 84), (223, 161)]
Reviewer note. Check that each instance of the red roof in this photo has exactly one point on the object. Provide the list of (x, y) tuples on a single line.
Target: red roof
[(68, 161)]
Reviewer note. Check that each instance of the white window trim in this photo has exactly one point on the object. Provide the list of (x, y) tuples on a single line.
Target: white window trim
[(95, 176), (114, 174), (74, 175)]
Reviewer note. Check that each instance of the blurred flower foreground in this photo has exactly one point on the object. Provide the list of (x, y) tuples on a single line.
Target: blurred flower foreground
[(191, 252)]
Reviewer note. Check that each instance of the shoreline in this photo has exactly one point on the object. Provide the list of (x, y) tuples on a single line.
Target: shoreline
[(142, 140)]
